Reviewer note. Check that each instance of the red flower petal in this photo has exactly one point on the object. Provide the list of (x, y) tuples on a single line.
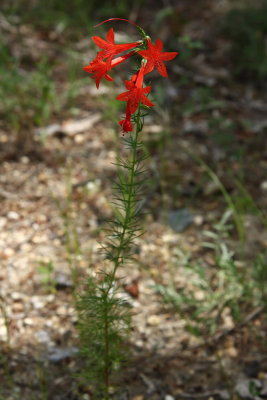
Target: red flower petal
[(99, 42), (146, 101), (168, 56), (161, 68), (110, 36), (133, 103), (159, 45), (145, 53), (149, 67), (123, 96), (108, 78)]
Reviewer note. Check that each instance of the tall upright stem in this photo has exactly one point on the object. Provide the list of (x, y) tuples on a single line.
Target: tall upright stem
[(130, 201), (106, 334)]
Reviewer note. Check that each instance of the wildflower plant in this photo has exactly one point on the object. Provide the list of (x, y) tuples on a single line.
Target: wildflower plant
[(104, 318)]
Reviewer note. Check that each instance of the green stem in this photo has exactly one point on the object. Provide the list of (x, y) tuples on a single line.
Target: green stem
[(129, 201), (106, 328)]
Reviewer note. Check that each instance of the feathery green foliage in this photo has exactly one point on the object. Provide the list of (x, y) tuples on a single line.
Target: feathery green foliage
[(103, 320), (103, 315)]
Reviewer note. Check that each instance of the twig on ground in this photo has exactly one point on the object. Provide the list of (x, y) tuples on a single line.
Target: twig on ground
[(245, 321), (198, 395)]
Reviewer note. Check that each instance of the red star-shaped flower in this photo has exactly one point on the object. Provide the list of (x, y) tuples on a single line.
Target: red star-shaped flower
[(136, 93), (155, 57), (99, 68), (110, 49)]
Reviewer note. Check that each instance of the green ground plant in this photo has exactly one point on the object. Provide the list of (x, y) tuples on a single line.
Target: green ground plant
[(230, 290), (203, 100), (189, 47), (30, 98), (247, 29), (26, 96), (238, 218), (233, 287), (245, 203), (68, 15), (46, 270), (72, 242)]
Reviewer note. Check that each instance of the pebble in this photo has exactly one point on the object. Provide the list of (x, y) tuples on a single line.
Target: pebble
[(50, 298), (232, 352), (180, 219), (228, 322), (56, 354), (168, 238), (153, 320), (26, 247), (42, 336), (13, 215), (52, 322), (63, 281), (37, 302), (8, 252), (16, 296), (3, 222), (17, 307), (4, 138), (42, 218), (139, 343), (28, 321), (24, 160), (198, 220), (169, 397), (57, 242), (39, 238), (195, 127), (62, 310), (3, 332), (79, 138), (199, 295)]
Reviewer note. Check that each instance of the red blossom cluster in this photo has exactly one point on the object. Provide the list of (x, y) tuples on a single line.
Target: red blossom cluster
[(152, 57)]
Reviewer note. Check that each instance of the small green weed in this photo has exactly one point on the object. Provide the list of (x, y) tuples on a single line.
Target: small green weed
[(238, 218), (46, 270), (189, 48), (223, 131), (26, 96), (220, 295), (66, 210), (43, 381), (244, 203), (202, 100), (30, 98)]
